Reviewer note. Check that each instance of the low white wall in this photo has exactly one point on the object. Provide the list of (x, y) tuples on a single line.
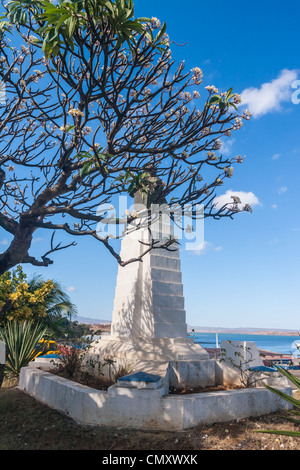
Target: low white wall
[(147, 409)]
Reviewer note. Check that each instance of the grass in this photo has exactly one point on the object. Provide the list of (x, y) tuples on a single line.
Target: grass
[(27, 424)]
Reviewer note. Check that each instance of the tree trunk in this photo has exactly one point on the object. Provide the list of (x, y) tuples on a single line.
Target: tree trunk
[(18, 249)]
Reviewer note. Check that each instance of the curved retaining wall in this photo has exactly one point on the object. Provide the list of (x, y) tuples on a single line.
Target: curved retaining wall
[(136, 407)]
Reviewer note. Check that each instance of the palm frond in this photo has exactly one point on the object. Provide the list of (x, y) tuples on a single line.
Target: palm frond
[(58, 301)]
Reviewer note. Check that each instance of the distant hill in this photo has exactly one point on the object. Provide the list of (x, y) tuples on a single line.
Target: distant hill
[(250, 331), (91, 321), (207, 329)]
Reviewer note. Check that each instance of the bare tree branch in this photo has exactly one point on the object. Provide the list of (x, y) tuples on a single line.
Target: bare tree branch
[(95, 121)]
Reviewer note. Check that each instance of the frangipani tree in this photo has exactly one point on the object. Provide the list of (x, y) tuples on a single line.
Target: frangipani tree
[(95, 106)]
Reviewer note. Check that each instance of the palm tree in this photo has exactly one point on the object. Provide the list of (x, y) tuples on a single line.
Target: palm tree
[(58, 304)]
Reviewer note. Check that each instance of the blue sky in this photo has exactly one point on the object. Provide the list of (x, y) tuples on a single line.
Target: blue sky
[(247, 273)]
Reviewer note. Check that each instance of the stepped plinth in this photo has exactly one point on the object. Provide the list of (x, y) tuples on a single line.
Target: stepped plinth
[(149, 320)]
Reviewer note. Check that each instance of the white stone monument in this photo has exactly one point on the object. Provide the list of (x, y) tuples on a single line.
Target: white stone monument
[(149, 322)]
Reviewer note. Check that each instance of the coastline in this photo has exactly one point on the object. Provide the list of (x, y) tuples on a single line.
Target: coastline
[(248, 331), (106, 324)]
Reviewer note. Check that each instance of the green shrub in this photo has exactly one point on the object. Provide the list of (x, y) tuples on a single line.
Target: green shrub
[(22, 342)]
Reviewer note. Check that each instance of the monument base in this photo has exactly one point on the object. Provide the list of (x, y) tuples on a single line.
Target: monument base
[(179, 361), (158, 349)]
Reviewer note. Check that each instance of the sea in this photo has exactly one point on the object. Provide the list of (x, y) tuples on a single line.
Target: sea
[(273, 343)]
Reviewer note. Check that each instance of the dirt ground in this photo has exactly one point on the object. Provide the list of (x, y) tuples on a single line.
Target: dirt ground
[(26, 424)]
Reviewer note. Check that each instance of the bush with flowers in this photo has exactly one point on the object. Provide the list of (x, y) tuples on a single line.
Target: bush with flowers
[(76, 364), (18, 301)]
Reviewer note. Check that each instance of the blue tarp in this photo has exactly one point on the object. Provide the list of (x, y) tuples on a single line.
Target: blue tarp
[(263, 369), (141, 377), (51, 356)]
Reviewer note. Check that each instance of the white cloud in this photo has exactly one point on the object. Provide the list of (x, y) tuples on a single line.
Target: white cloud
[(227, 144), (37, 239), (274, 206), (276, 156), (282, 190), (245, 198), (204, 247), (270, 96), (4, 242), (71, 289)]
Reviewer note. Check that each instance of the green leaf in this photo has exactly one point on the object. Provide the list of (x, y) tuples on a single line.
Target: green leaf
[(22, 341), (293, 420), (294, 412), (214, 99), (149, 35), (86, 168), (70, 128), (70, 25), (103, 156), (229, 92), (108, 5), (83, 155), (129, 14), (135, 26), (5, 26), (61, 21), (143, 19), (233, 105), (160, 33)]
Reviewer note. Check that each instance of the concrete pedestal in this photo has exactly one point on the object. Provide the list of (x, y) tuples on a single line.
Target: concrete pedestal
[(149, 322)]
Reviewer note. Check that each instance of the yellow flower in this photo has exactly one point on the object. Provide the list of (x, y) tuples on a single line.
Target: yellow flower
[(14, 296)]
